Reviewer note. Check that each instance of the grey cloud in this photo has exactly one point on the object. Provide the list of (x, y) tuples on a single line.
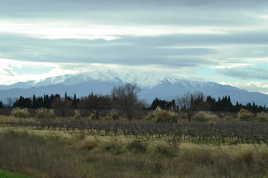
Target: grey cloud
[(158, 50), (245, 73), (235, 38), (183, 12), (119, 4), (100, 51), (248, 53), (8, 72)]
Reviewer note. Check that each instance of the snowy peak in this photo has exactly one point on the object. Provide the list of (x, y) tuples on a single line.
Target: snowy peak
[(165, 87)]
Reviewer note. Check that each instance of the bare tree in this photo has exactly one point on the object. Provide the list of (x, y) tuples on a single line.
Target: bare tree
[(126, 99), (190, 103)]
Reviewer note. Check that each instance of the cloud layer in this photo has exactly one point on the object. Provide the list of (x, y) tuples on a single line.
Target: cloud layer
[(222, 41)]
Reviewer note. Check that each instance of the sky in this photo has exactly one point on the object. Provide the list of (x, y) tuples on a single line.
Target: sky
[(209, 40)]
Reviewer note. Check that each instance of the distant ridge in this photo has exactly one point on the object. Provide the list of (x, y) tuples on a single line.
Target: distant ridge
[(166, 88)]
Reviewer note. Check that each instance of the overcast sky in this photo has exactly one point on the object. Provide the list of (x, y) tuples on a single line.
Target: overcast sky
[(211, 40)]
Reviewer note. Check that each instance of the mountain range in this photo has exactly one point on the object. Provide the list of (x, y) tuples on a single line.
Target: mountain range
[(163, 88)]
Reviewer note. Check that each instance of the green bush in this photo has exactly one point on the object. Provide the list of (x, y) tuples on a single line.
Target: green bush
[(44, 113), (203, 116), (245, 115), (20, 113), (7, 174), (162, 116)]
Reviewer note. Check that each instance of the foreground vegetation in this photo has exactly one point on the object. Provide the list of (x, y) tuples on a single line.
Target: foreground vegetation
[(7, 174), (60, 154), (120, 136), (205, 128)]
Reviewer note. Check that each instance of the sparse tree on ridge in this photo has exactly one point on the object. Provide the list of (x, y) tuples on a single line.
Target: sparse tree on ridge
[(125, 99), (190, 103)]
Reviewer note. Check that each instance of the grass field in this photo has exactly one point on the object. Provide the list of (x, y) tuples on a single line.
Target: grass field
[(7, 174), (61, 154)]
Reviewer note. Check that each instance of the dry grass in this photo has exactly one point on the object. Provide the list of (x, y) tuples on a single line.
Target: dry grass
[(20, 113), (162, 116), (15, 119), (44, 113), (262, 117), (203, 116), (245, 115), (57, 154)]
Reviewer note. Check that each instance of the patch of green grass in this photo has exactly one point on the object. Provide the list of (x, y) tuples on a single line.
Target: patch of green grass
[(7, 174)]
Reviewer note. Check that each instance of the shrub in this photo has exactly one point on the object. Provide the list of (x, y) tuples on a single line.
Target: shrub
[(92, 116), (77, 115), (44, 113), (136, 146), (160, 116), (113, 148), (245, 115), (205, 116), (229, 117), (262, 117), (165, 150), (88, 144), (20, 113), (246, 158), (113, 115)]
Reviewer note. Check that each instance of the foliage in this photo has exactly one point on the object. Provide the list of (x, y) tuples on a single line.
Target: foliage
[(125, 99), (7, 174), (198, 102), (163, 104)]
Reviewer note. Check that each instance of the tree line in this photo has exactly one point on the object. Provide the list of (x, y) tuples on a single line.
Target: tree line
[(125, 99), (122, 98), (200, 102)]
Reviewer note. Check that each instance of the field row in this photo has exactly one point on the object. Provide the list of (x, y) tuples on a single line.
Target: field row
[(196, 132)]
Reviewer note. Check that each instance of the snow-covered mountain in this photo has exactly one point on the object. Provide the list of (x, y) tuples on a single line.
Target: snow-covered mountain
[(151, 86)]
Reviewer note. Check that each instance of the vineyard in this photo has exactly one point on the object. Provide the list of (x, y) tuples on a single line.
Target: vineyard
[(217, 133)]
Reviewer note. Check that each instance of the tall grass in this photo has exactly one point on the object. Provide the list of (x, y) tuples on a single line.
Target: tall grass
[(262, 117), (44, 154), (44, 113), (245, 115), (203, 116)]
